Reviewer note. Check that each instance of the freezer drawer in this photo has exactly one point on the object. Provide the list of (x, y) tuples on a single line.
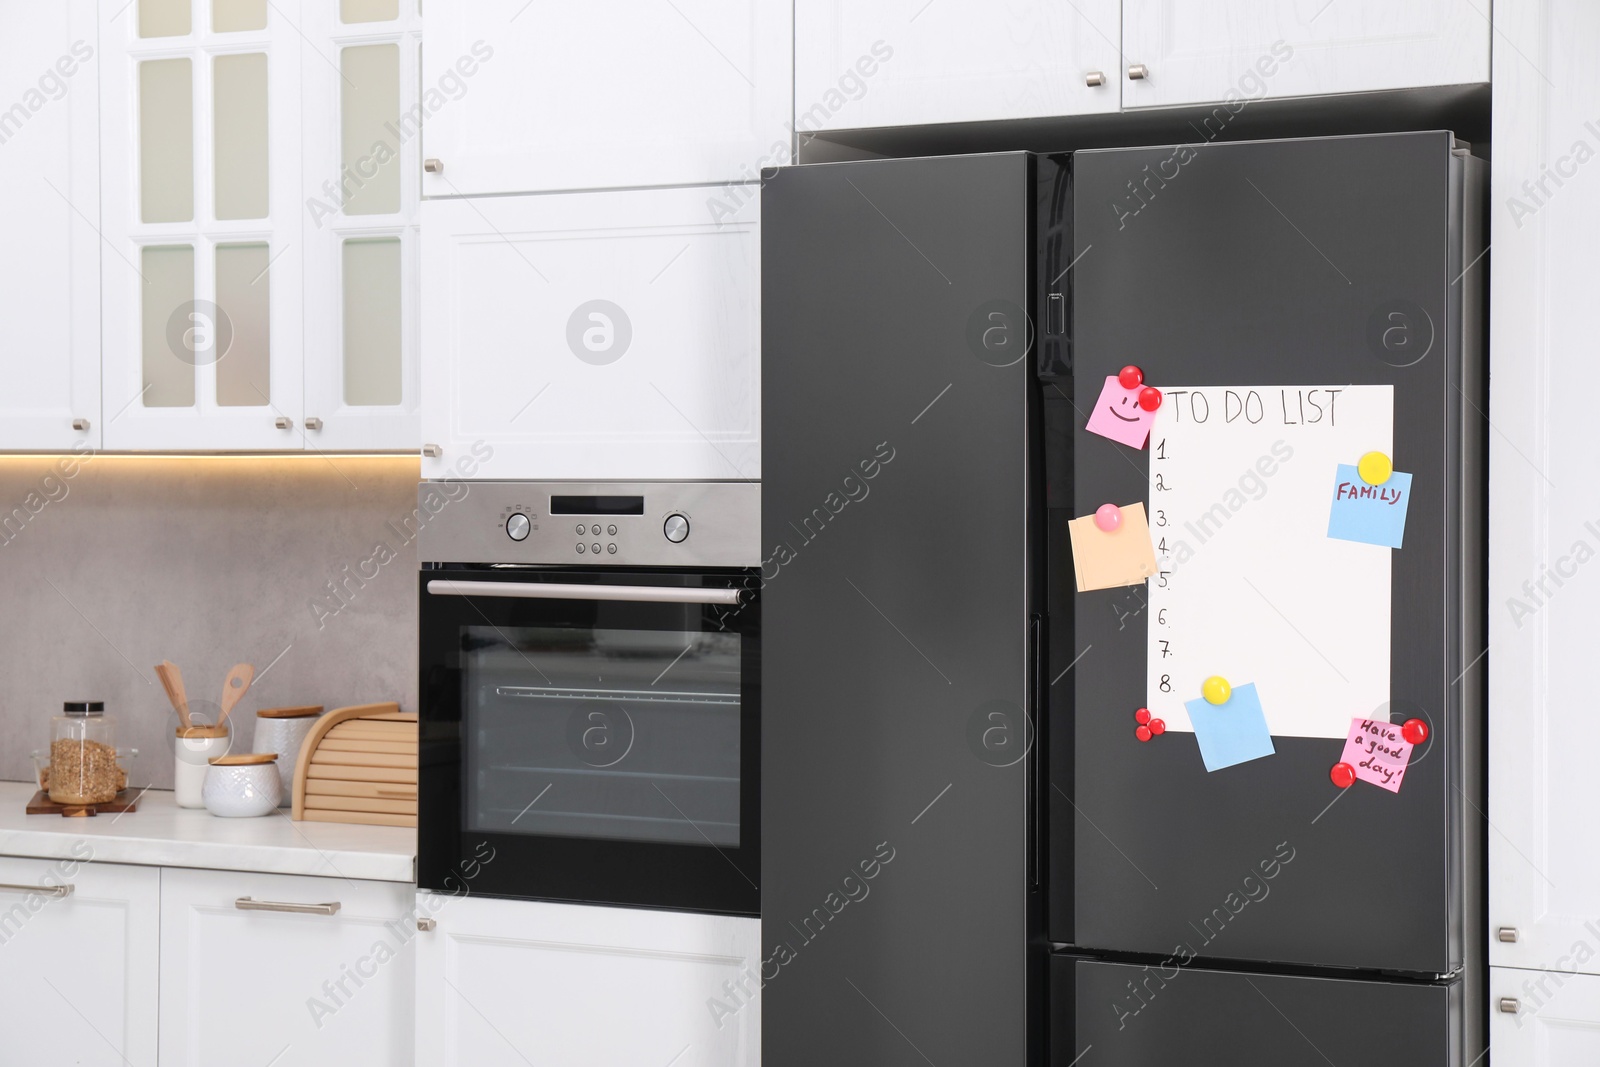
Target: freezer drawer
[(1163, 1013)]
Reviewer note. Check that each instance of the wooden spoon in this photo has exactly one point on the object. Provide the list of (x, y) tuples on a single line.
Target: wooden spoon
[(172, 682), (234, 687)]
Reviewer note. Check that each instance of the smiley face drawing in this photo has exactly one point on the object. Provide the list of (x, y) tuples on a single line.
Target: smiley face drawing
[(1117, 415)]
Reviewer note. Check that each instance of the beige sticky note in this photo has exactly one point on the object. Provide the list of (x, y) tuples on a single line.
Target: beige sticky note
[(1104, 560)]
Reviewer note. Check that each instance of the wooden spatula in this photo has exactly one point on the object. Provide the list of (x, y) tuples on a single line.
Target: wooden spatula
[(172, 682), (234, 687)]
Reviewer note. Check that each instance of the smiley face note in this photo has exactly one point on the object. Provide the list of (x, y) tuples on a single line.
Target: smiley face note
[(1117, 415)]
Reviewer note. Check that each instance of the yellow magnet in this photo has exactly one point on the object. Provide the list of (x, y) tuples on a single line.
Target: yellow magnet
[(1375, 468), (1216, 689)]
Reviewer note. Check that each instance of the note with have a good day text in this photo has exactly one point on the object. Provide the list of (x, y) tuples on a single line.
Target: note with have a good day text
[(1248, 583), (1377, 752)]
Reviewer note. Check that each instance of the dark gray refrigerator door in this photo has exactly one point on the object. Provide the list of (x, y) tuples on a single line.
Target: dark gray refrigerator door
[(1165, 1015), (896, 602), (1268, 264)]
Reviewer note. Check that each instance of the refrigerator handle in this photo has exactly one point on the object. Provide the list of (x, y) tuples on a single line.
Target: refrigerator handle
[(1036, 713)]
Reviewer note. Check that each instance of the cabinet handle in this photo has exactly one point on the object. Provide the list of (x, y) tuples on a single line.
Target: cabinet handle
[(313, 423), (426, 924), (283, 422), (57, 891), (432, 451), (1510, 1005), (1094, 79), (246, 904), (1507, 934), (433, 166), (1138, 72), (80, 424)]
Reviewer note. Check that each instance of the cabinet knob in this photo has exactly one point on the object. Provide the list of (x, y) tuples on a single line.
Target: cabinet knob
[(283, 422), (80, 424), (1094, 79), (426, 924), (1510, 1005), (313, 423), (433, 166), (1138, 72), (432, 451), (1508, 934)]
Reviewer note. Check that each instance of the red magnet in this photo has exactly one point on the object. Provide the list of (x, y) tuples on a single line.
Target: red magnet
[(1149, 398), (1143, 733), (1343, 775), (1142, 716), (1415, 731), (1130, 377), (1158, 727)]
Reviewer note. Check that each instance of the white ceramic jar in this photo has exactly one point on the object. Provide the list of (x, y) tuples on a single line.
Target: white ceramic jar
[(284, 731), (243, 786), (196, 747)]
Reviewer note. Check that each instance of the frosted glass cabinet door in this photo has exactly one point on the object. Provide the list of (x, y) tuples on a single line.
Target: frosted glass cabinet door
[(593, 335), (201, 214), (49, 184), (864, 63), (523, 97), (1200, 51)]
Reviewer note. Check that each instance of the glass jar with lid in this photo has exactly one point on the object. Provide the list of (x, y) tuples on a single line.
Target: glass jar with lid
[(83, 755)]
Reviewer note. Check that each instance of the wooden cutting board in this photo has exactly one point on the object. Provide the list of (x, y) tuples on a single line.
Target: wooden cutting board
[(360, 766)]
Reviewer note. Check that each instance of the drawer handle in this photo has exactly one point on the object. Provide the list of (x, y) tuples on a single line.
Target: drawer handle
[(57, 891), (247, 904), (1094, 79), (1138, 72)]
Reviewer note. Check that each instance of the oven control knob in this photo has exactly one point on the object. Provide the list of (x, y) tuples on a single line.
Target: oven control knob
[(517, 527), (676, 529)]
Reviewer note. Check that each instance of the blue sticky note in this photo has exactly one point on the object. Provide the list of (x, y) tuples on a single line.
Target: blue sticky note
[(1235, 732), (1371, 514)]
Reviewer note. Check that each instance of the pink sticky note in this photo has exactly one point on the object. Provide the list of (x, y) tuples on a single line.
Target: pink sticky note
[(1117, 415), (1377, 752)]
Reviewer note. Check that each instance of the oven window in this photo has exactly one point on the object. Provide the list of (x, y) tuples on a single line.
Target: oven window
[(629, 735)]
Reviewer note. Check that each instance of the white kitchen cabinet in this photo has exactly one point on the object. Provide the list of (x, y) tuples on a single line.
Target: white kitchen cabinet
[(1205, 51), (592, 336), (78, 972), (865, 63), (252, 986), (50, 185), (515, 982), (522, 97), (201, 213), (1553, 1022), (1544, 525)]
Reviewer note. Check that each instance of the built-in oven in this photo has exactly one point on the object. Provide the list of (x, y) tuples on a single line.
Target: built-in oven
[(590, 693)]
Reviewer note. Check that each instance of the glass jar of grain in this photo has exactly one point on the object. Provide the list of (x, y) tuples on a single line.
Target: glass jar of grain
[(83, 755)]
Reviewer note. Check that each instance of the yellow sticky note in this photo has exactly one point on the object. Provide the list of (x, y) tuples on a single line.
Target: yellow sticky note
[(1125, 556)]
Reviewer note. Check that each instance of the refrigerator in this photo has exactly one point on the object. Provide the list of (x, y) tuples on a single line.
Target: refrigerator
[(974, 847)]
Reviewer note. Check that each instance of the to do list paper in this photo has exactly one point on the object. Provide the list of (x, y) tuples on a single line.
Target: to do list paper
[(1249, 584)]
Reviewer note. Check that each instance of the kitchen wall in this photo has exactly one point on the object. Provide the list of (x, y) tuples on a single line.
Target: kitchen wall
[(109, 564)]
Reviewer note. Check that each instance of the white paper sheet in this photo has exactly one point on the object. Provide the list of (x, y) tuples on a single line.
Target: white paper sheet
[(1251, 587)]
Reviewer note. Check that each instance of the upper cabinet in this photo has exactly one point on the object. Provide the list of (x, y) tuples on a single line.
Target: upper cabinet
[(49, 182), (1204, 51), (869, 63), (865, 63), (592, 336), (258, 210), (522, 97)]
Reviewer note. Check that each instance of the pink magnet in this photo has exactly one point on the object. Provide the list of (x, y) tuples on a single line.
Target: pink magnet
[(1108, 517)]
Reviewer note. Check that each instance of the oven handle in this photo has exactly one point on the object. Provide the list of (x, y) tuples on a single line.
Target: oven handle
[(555, 591)]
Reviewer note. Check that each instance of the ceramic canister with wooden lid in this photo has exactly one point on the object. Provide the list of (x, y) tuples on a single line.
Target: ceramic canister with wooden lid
[(284, 731)]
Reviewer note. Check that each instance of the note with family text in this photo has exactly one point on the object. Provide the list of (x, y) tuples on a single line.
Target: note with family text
[(1377, 752), (1370, 514)]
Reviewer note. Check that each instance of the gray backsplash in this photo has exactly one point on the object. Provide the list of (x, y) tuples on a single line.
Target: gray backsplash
[(208, 562)]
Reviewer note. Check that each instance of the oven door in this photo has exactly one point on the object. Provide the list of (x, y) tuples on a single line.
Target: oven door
[(591, 736)]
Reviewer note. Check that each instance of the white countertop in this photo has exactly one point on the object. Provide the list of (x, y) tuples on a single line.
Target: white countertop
[(161, 834)]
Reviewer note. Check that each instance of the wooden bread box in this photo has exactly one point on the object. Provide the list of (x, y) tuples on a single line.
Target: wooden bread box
[(359, 765)]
